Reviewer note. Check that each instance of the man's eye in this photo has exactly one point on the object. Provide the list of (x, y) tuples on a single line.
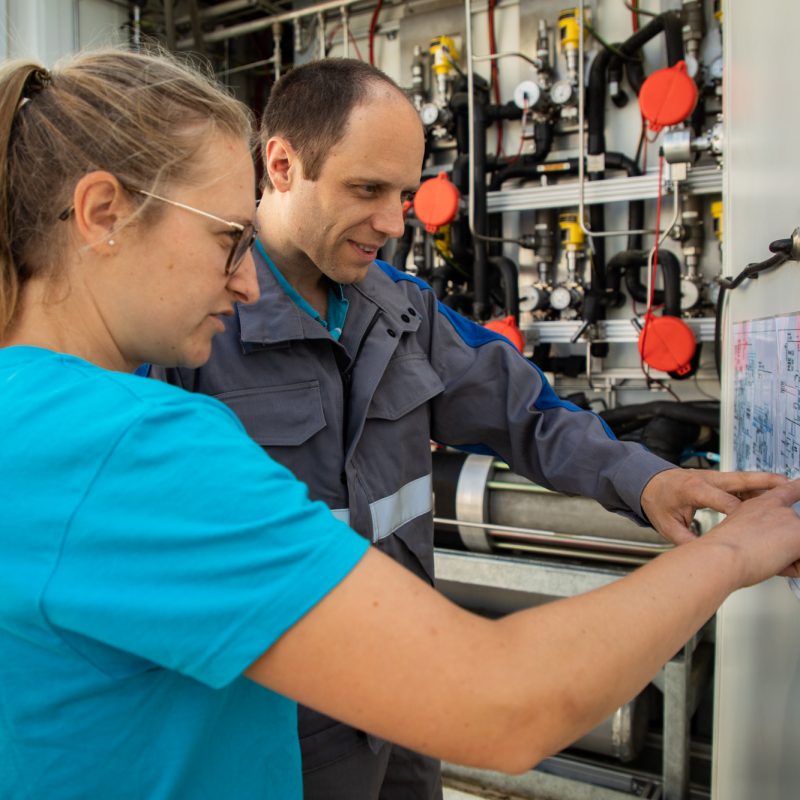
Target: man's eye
[(369, 188)]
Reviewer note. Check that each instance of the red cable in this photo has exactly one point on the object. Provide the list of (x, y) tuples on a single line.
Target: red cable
[(658, 236), (635, 16), (373, 25), (648, 316), (495, 72)]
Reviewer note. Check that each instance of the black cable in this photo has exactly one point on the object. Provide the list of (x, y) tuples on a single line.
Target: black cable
[(753, 270), (718, 332)]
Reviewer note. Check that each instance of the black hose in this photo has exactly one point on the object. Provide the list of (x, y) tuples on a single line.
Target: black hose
[(543, 134), (631, 262), (480, 305), (510, 274), (403, 248), (460, 238), (439, 278), (718, 331), (458, 302), (596, 103), (670, 23), (681, 412)]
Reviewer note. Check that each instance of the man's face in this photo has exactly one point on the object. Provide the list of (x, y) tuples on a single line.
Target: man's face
[(341, 220)]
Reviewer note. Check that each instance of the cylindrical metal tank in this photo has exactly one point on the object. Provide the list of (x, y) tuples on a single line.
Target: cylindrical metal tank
[(493, 509)]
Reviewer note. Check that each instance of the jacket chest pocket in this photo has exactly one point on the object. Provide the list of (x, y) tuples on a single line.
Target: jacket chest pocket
[(408, 383), (279, 415)]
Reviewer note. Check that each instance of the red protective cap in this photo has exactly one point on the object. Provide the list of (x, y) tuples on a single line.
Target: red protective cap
[(508, 327), (436, 202), (668, 344), (668, 96)]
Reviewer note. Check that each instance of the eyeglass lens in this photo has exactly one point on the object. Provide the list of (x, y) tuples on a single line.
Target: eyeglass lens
[(247, 237)]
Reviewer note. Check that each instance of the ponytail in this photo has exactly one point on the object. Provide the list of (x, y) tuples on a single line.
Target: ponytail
[(19, 81)]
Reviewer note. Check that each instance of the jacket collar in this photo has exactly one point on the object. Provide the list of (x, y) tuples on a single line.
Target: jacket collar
[(274, 317), (381, 290)]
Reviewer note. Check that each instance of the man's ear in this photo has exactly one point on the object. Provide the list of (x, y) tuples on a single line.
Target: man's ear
[(100, 204), (282, 163)]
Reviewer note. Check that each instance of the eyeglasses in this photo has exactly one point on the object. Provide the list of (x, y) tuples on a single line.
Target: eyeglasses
[(243, 236)]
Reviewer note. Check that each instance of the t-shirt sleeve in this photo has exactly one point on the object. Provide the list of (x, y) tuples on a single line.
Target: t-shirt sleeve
[(192, 548)]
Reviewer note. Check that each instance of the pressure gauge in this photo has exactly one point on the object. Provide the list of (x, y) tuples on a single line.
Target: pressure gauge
[(536, 298), (561, 298), (690, 294), (527, 94), (429, 114), (561, 92)]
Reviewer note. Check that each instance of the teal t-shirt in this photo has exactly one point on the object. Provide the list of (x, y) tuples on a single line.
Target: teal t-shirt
[(338, 304), (150, 551)]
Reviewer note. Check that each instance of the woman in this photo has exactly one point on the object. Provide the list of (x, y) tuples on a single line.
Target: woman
[(165, 586)]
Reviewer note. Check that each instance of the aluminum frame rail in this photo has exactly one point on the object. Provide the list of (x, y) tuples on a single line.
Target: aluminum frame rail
[(608, 330), (528, 582), (700, 180)]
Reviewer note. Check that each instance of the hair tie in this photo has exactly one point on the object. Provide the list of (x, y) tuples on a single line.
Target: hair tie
[(36, 81)]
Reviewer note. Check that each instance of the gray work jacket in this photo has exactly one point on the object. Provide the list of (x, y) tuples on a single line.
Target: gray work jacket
[(353, 419)]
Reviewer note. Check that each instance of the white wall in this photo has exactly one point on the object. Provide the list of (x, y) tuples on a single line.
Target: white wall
[(46, 30), (757, 730)]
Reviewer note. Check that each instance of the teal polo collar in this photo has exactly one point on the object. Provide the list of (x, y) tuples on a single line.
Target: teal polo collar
[(337, 302)]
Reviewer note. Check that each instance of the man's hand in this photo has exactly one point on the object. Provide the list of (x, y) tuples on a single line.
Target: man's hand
[(671, 498)]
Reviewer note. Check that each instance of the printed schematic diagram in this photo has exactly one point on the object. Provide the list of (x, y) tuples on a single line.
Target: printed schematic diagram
[(766, 401), (766, 429)]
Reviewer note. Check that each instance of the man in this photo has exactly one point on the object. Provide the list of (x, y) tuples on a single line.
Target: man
[(346, 368)]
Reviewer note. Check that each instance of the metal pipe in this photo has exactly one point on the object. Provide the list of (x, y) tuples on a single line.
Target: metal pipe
[(532, 488), (220, 9), (618, 558), (582, 142), (651, 257), (197, 28), (169, 25), (137, 26), (321, 33), (470, 117), (536, 535), (277, 31), (265, 22), (535, 62), (245, 67), (345, 31)]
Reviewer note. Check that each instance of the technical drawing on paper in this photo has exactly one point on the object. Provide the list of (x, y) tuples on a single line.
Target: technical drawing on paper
[(766, 404)]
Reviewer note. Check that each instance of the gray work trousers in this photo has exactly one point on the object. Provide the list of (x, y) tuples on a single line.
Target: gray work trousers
[(393, 773)]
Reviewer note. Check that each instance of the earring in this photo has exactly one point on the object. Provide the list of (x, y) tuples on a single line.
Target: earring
[(111, 242)]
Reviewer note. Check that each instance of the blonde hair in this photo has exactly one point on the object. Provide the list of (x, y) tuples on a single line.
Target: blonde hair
[(142, 116)]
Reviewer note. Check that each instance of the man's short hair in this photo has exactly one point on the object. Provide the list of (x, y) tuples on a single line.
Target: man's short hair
[(310, 107)]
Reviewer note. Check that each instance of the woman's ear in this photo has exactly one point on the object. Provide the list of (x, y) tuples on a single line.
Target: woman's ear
[(100, 204)]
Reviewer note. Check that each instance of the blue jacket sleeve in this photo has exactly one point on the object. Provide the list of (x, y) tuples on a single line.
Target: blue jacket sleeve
[(497, 401)]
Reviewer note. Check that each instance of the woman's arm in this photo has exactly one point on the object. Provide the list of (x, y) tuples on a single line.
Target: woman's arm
[(386, 653)]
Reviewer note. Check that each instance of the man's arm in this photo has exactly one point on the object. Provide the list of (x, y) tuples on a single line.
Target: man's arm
[(386, 653), (497, 400)]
